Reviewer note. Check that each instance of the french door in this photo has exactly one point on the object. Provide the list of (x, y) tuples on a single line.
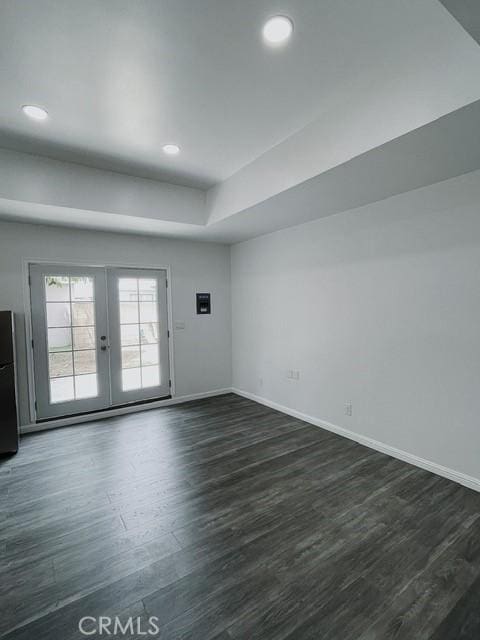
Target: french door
[(137, 306), (100, 337)]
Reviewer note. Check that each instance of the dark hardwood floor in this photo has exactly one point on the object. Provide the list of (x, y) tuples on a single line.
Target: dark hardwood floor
[(230, 521)]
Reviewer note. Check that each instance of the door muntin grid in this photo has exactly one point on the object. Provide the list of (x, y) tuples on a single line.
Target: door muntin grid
[(71, 337), (139, 333)]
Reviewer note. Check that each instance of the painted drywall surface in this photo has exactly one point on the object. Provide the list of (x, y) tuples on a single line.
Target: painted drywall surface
[(202, 350), (41, 180), (378, 307), (438, 151), (369, 110)]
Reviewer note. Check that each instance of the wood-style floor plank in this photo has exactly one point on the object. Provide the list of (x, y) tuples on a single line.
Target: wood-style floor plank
[(227, 520)]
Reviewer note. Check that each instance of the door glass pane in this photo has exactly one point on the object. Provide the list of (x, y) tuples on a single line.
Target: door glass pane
[(147, 289), (83, 314), (129, 334), (85, 362), (60, 364), (59, 340), (150, 355), (57, 288), (138, 301), (150, 376), (130, 357), (128, 312), (128, 289), (83, 338), (86, 386), (72, 358), (131, 379), (58, 314), (82, 288), (148, 312), (61, 390), (149, 333)]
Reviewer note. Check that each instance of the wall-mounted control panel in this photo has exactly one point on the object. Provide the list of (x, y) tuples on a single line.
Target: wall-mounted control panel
[(203, 304)]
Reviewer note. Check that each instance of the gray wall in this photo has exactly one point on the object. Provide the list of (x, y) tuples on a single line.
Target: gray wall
[(378, 307), (202, 349)]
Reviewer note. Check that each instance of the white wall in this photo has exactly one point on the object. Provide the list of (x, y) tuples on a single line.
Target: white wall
[(40, 180), (202, 349), (378, 306)]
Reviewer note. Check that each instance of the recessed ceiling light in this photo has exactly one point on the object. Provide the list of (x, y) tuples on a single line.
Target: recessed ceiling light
[(277, 30), (171, 149), (37, 113)]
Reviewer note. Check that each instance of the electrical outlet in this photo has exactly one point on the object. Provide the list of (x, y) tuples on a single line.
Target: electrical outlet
[(290, 374), (348, 409), (296, 374)]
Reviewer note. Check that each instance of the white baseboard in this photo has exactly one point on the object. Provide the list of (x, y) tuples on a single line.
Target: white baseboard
[(468, 481), (99, 415)]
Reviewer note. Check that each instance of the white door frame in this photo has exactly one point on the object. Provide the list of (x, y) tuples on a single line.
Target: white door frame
[(26, 262)]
